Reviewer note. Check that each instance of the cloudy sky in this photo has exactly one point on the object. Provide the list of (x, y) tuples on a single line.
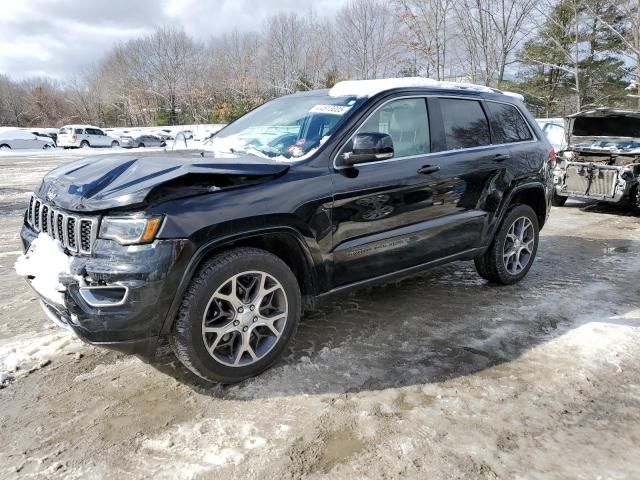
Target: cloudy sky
[(62, 37)]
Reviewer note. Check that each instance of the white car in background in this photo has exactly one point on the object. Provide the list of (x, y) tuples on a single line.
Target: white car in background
[(15, 138), (82, 136), (554, 129)]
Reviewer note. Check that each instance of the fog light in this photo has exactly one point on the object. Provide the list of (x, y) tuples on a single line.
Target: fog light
[(106, 296)]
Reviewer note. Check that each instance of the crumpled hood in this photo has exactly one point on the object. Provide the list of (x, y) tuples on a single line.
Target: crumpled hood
[(107, 182), (604, 129)]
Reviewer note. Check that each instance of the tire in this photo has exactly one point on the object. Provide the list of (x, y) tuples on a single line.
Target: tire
[(192, 346), (114, 144), (141, 145), (4, 146), (46, 146), (558, 200), (84, 144), (493, 266)]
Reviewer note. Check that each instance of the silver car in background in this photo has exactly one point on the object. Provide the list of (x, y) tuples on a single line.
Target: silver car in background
[(141, 141), (15, 138)]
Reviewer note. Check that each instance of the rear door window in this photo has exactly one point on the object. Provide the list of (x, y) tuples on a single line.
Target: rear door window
[(507, 124), (465, 124), (79, 131)]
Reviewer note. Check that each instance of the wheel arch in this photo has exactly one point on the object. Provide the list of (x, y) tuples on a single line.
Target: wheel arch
[(284, 242), (532, 194)]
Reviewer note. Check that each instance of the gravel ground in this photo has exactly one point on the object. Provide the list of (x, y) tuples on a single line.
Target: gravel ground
[(438, 376)]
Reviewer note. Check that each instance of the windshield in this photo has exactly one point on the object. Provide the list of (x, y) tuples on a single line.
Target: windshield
[(288, 128)]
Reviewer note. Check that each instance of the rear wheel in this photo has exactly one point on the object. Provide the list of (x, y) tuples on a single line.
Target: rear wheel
[(46, 146), (141, 145), (513, 249), (4, 146), (238, 315), (115, 144), (558, 200), (84, 144)]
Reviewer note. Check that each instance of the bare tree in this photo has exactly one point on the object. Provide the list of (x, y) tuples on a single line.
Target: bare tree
[(427, 22), (479, 39), (367, 40), (13, 99)]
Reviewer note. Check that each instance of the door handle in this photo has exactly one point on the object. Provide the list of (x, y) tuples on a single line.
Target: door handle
[(428, 169), (501, 157)]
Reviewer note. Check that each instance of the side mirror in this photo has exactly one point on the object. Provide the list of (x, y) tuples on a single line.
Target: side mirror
[(369, 147)]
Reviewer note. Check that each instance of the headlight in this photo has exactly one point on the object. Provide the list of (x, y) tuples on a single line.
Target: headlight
[(130, 230)]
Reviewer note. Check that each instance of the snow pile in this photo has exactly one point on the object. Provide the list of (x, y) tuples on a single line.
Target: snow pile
[(369, 88), (193, 449), (23, 354), (45, 261)]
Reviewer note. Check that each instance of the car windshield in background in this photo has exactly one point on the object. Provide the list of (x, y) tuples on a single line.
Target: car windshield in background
[(288, 128)]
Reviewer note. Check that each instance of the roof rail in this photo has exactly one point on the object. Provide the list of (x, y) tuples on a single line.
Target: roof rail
[(369, 88)]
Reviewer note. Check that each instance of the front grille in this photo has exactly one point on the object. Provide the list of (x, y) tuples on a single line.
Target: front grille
[(74, 233)]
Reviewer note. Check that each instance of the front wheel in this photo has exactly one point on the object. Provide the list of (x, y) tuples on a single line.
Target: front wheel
[(4, 146), (513, 249), (238, 315), (141, 145)]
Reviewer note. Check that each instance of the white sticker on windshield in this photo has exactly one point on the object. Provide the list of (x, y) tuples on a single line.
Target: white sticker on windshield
[(330, 109)]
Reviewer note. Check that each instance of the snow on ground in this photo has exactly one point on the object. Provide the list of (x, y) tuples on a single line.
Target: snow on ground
[(24, 354)]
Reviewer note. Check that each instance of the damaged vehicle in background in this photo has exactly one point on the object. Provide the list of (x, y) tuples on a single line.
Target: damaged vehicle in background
[(299, 201), (602, 158)]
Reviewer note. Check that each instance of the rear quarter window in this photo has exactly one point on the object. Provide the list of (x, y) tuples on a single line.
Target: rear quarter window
[(507, 123), (465, 124)]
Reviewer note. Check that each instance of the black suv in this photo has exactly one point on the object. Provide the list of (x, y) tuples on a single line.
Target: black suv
[(303, 198)]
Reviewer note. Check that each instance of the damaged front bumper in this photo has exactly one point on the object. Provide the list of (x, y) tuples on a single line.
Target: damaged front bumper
[(593, 181), (119, 296)]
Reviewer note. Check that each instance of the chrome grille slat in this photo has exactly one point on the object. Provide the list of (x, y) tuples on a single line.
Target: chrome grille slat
[(59, 229), (52, 216), (44, 219), (30, 211), (70, 230), (36, 215), (73, 232)]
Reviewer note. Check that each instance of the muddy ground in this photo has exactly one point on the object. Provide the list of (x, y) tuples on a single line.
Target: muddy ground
[(438, 376)]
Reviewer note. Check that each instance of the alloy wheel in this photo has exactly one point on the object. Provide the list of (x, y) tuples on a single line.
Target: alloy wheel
[(518, 245), (244, 318)]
